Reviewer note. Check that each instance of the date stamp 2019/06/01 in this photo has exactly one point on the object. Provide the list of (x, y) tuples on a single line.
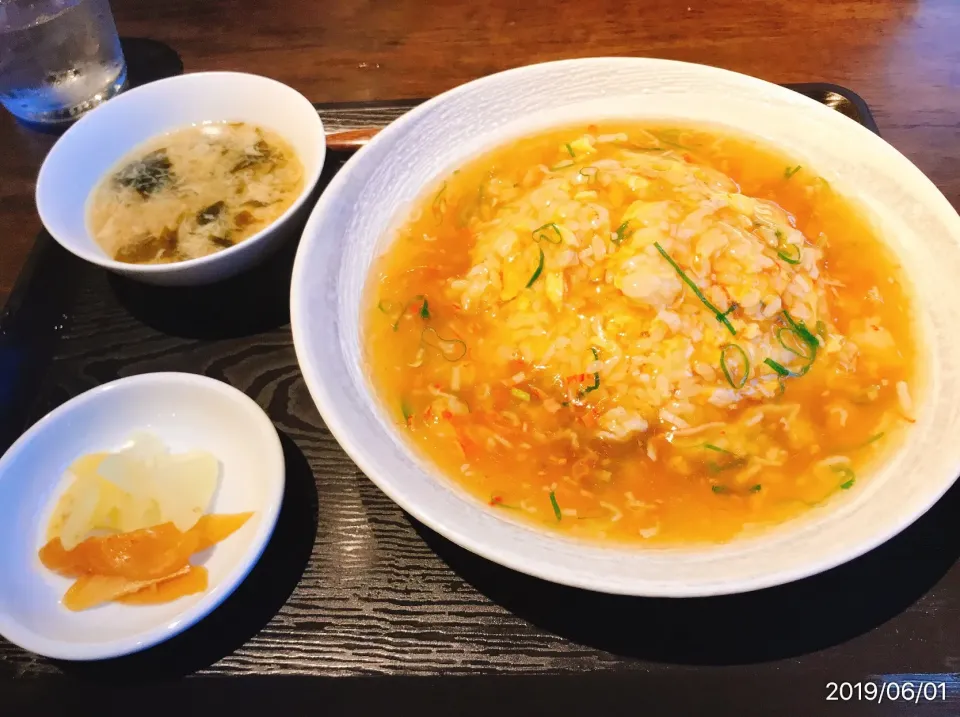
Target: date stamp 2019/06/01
[(910, 691)]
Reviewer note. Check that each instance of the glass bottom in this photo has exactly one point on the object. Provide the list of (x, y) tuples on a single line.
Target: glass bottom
[(45, 115)]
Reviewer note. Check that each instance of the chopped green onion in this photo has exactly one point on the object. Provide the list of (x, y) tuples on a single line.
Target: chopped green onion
[(539, 233), (794, 259), (781, 371), (756, 488), (797, 348), (570, 149), (721, 317), (592, 173), (621, 233), (522, 395), (596, 375), (790, 171), (801, 329), (874, 438), (556, 506), (726, 370), (847, 474), (440, 204), (802, 336), (735, 463), (393, 309), (795, 254), (718, 488), (562, 165), (405, 410), (733, 307), (450, 349), (424, 309), (718, 449), (536, 274)]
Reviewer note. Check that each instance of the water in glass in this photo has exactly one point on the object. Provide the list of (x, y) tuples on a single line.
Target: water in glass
[(58, 58)]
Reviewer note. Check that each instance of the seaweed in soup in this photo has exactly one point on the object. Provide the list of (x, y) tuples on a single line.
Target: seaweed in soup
[(211, 213), (147, 175), (151, 248), (258, 153)]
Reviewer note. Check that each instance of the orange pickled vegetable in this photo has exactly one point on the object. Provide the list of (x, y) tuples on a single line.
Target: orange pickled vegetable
[(193, 581), (212, 529), (146, 554), (92, 590), (149, 554)]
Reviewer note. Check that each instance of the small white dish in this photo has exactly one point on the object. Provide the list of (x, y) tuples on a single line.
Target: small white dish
[(353, 223), (185, 411), (95, 144)]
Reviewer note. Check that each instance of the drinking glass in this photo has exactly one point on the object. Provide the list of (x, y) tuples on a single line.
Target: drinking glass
[(58, 58)]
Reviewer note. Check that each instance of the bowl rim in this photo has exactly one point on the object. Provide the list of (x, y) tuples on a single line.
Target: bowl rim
[(101, 258), (333, 415), (19, 635)]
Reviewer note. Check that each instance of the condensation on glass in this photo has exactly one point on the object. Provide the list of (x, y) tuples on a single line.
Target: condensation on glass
[(58, 58)]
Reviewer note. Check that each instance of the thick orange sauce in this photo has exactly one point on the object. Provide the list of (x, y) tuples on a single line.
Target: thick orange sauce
[(658, 487)]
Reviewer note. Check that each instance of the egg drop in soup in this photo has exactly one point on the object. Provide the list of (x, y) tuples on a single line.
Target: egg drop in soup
[(644, 333), (194, 192)]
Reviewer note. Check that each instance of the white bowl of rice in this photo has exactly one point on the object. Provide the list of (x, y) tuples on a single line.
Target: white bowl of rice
[(194, 227), (638, 326)]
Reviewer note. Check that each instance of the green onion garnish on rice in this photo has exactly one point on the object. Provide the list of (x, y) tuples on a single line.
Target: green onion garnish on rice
[(719, 467), (556, 506), (621, 233), (596, 375), (718, 488), (801, 338), (450, 349), (756, 489), (793, 257), (394, 311), (790, 171), (721, 316), (536, 274), (439, 205), (570, 149), (718, 449), (779, 368), (802, 330), (724, 352), (406, 411), (541, 233), (797, 346), (424, 309), (790, 253), (847, 474)]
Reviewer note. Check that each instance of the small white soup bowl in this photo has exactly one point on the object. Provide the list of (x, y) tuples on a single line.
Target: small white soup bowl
[(94, 145), (353, 223), (186, 412)]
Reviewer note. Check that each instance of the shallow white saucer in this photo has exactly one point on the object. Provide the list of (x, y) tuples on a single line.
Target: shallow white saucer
[(185, 411)]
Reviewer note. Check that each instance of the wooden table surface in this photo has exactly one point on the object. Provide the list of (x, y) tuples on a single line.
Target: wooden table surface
[(902, 56)]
